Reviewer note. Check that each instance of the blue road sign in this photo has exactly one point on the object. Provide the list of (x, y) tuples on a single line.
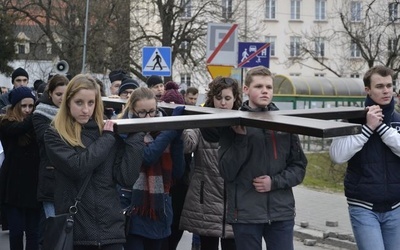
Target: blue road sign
[(156, 61), (247, 50)]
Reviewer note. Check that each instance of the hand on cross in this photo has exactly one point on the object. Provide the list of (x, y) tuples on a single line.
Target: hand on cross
[(374, 116)]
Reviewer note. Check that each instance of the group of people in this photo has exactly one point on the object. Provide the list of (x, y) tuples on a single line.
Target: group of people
[(230, 186)]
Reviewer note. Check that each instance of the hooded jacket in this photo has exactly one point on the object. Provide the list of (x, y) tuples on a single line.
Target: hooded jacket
[(99, 220), (260, 152)]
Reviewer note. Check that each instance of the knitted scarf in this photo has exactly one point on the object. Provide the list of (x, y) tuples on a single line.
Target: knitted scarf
[(387, 110), (154, 181), (46, 110)]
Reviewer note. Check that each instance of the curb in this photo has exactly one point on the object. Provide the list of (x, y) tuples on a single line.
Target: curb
[(344, 241)]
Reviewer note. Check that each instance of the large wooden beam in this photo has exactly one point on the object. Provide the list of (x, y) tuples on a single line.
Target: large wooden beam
[(313, 122)]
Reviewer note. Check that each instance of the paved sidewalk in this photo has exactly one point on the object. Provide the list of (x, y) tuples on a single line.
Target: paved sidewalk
[(316, 208)]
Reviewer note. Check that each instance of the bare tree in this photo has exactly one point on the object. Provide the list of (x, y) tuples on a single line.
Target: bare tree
[(62, 23), (362, 34), (7, 41)]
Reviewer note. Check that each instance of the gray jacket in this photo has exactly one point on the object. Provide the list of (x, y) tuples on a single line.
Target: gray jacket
[(260, 152), (204, 211)]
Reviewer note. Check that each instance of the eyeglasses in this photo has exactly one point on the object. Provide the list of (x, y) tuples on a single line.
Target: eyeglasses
[(143, 114), (127, 92), (228, 81)]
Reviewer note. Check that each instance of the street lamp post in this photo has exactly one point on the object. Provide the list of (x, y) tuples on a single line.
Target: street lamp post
[(85, 38)]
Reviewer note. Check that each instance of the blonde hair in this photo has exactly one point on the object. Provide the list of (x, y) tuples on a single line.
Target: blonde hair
[(256, 71), (137, 95), (64, 123)]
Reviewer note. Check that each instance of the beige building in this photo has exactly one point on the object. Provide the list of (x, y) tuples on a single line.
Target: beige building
[(321, 38)]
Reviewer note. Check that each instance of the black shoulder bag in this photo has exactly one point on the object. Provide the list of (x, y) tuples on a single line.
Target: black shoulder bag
[(58, 231)]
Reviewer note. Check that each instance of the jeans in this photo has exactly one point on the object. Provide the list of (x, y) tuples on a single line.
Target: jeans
[(22, 220), (374, 230), (278, 235)]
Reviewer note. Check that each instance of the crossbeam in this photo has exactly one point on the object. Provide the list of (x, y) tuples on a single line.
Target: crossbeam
[(313, 122)]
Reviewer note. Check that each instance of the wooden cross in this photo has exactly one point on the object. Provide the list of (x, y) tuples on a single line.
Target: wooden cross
[(313, 122)]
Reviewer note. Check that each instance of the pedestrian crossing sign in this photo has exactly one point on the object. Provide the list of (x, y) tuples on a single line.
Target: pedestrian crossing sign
[(156, 61)]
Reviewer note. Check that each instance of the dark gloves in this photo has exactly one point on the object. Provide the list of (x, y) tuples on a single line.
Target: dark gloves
[(178, 110)]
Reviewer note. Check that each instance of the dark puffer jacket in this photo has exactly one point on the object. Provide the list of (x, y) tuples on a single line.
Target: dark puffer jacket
[(99, 220)]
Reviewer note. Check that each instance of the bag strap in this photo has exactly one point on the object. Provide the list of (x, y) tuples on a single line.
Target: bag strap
[(74, 209)]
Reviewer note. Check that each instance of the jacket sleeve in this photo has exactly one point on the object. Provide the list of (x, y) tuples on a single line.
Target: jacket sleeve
[(190, 140), (232, 153), (74, 163), (178, 160), (41, 124), (129, 159), (153, 151), (390, 137), (18, 128), (344, 147), (295, 169)]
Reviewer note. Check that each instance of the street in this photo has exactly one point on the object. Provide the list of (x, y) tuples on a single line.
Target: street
[(186, 241)]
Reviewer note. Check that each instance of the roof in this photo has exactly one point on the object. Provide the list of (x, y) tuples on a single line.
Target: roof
[(318, 86)]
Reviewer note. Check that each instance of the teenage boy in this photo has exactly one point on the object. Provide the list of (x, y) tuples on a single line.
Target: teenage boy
[(260, 167), (156, 84), (372, 180)]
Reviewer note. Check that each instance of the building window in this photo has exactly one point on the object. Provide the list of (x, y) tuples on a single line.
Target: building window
[(295, 9), (184, 45), (227, 9), (320, 9), (48, 48), (270, 9), (294, 46), (393, 12), (355, 75), (319, 47), (355, 11), (294, 74), (319, 74), (271, 41), (355, 51), (392, 45), (186, 79), (21, 49), (186, 6)]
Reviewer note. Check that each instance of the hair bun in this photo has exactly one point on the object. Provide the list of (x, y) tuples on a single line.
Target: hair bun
[(171, 85)]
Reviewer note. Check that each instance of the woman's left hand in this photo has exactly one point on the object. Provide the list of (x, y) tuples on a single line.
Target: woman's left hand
[(109, 126)]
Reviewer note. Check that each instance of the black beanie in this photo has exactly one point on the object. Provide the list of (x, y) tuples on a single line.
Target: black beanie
[(153, 80), (18, 72), (37, 83), (127, 83), (117, 75), (17, 94)]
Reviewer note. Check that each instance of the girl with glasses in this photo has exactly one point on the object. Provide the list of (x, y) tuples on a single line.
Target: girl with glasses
[(151, 207)]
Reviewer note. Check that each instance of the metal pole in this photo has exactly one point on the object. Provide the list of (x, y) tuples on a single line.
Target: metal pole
[(85, 38)]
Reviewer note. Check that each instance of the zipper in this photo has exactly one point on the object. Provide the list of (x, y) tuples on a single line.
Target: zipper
[(273, 138), (202, 192), (224, 212)]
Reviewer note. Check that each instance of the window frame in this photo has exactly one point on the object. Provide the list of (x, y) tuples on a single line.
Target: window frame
[(295, 42), (227, 7), (272, 47), (355, 11), (295, 9), (320, 10), (270, 9)]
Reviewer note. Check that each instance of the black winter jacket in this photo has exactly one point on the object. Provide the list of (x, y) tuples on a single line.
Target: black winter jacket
[(99, 220), (42, 117), (260, 152), (18, 182)]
